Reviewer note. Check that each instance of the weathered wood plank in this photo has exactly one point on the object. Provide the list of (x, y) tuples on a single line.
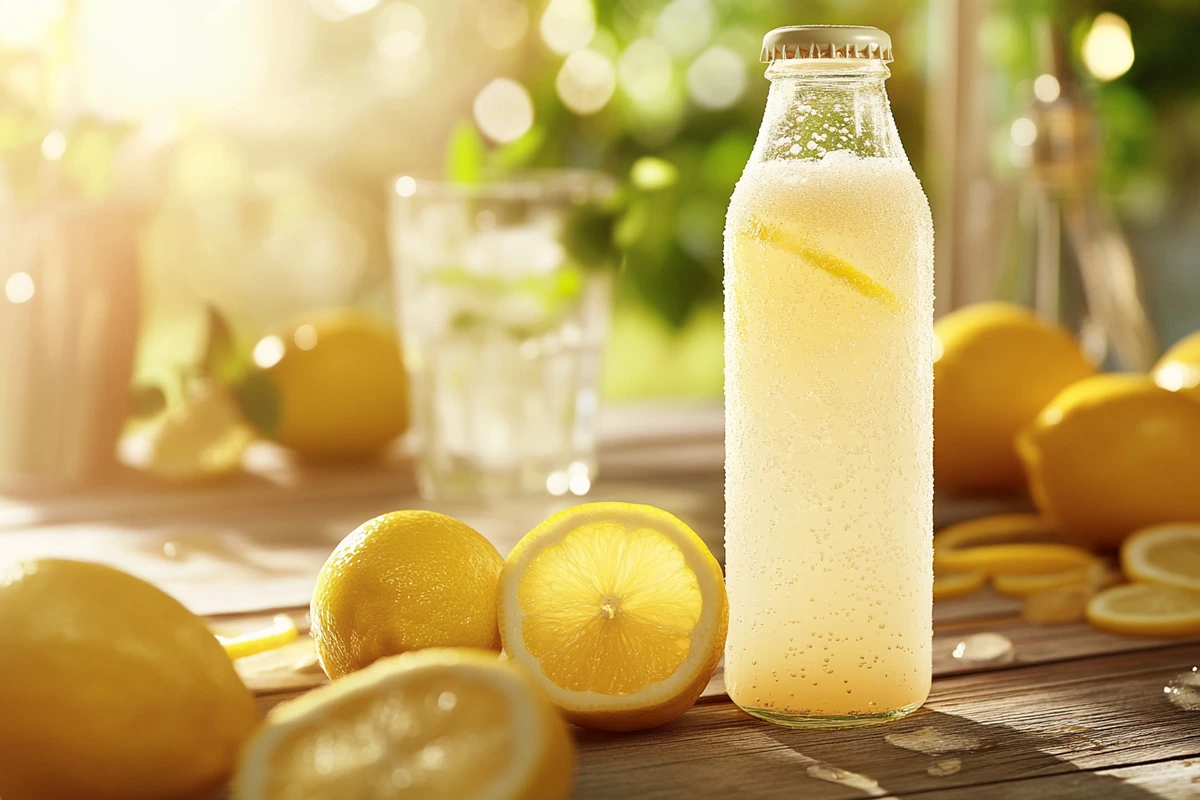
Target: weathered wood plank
[(1169, 780), (1031, 644), (1057, 719)]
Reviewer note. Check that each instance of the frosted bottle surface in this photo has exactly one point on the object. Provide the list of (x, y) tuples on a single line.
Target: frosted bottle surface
[(828, 396)]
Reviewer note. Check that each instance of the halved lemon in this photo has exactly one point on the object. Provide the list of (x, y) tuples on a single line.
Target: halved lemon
[(1146, 609), (1164, 554), (437, 724), (619, 612), (957, 584)]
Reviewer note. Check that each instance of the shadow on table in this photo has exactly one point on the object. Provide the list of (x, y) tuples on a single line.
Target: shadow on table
[(930, 755)]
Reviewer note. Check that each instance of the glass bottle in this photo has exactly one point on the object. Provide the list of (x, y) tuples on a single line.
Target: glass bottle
[(828, 396)]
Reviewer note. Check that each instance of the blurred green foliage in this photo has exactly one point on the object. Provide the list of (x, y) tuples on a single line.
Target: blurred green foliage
[(1149, 117), (671, 232)]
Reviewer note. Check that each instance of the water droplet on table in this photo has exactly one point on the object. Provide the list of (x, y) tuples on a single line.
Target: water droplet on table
[(980, 647), (824, 772), (1184, 690), (947, 766), (934, 742)]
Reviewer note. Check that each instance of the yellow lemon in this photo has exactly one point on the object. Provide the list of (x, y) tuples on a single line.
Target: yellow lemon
[(618, 611), (996, 366), (441, 724), (1146, 609), (404, 581), (203, 438), (1164, 554), (1113, 454), (111, 690), (328, 386), (1179, 368)]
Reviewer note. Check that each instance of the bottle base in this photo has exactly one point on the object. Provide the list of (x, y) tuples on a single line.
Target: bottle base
[(789, 720)]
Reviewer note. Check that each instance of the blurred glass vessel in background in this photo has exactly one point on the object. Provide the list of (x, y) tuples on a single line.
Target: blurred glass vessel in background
[(502, 325)]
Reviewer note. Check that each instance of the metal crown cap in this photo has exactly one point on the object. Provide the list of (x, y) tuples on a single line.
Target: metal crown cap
[(826, 41)]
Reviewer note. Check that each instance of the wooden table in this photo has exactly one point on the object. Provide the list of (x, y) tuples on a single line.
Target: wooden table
[(1068, 712)]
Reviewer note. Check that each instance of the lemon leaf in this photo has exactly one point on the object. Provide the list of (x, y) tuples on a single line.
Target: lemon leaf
[(261, 403)]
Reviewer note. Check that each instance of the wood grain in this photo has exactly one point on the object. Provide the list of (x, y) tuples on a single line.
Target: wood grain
[(1069, 720)]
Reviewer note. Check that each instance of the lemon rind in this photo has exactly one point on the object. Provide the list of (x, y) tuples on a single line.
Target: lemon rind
[(1138, 568)]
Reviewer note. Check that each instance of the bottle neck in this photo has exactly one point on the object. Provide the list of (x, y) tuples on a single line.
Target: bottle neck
[(818, 106)]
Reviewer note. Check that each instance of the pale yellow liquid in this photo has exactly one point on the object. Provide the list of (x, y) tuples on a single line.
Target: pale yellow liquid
[(829, 475)]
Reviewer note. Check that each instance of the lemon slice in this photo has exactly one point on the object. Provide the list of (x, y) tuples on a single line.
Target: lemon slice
[(1002, 559), (282, 631), (1164, 554), (996, 529), (437, 724), (775, 236), (1094, 576), (619, 612), (957, 584), (1056, 606), (1024, 549), (1146, 609)]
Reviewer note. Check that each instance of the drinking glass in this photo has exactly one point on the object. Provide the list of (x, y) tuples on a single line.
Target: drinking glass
[(502, 320)]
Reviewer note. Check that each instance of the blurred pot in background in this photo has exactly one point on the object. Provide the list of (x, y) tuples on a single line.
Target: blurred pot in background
[(69, 321)]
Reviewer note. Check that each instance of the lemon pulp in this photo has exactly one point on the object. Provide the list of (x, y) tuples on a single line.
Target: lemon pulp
[(609, 609), (429, 737)]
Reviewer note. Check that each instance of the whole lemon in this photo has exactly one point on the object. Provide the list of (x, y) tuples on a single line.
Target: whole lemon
[(111, 690), (1179, 368), (329, 385), (1112, 454), (405, 581), (995, 367)]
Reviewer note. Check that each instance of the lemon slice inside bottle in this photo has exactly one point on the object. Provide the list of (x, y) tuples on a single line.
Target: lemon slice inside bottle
[(848, 274)]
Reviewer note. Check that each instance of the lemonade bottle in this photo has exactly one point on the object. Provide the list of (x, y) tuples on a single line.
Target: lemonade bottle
[(828, 396)]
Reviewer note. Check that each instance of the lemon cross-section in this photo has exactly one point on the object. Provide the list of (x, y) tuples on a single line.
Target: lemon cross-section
[(775, 236), (609, 609), (619, 610), (436, 724)]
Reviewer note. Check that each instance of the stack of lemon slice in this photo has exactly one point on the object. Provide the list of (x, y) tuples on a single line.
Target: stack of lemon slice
[(1023, 556), (1164, 600)]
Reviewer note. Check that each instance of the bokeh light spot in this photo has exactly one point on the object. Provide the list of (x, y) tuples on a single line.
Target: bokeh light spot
[(586, 81), (684, 26), (503, 110), (305, 337), (399, 29), (1046, 88), (18, 288), (645, 71), (268, 351), (406, 186), (717, 78), (1024, 132), (568, 25), (54, 145), (1108, 47)]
